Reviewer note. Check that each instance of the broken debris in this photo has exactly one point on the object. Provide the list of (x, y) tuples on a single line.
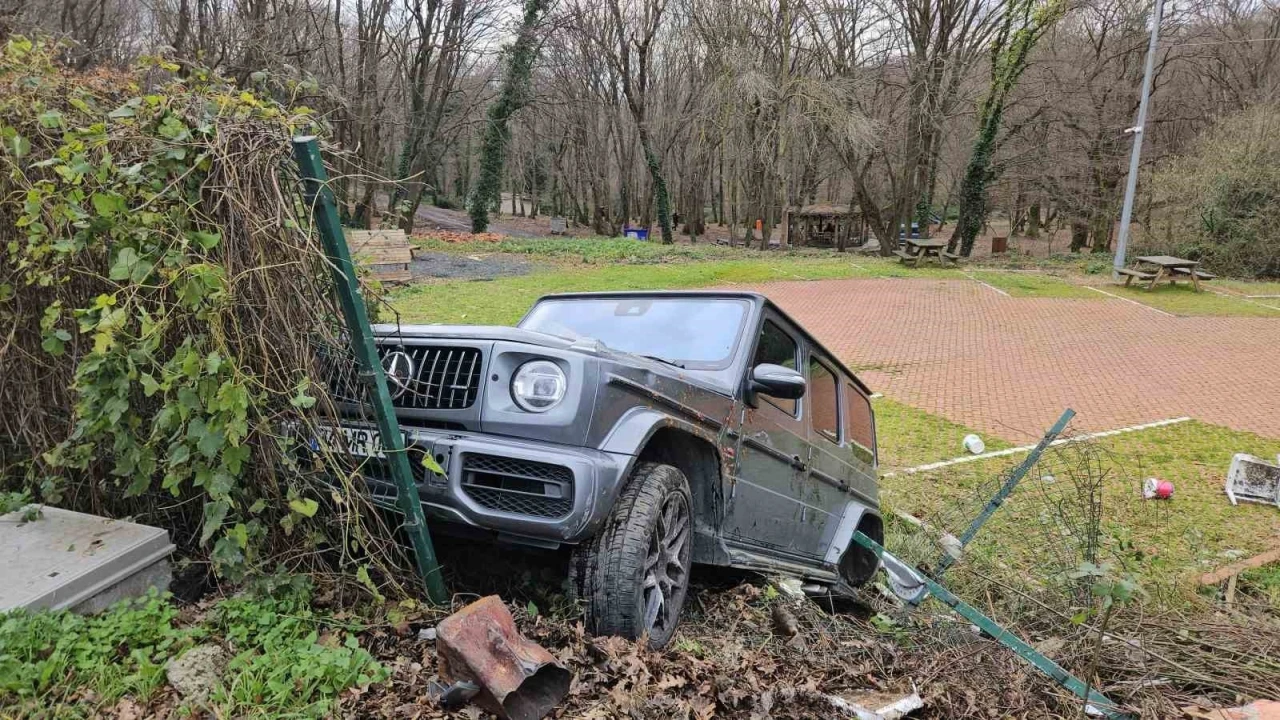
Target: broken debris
[(197, 672), (512, 677), (1253, 479), (1259, 710)]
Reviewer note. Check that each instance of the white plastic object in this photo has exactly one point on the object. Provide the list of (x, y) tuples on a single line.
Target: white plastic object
[(1253, 479), (974, 444)]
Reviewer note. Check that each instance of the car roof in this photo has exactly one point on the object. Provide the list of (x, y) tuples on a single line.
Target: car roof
[(755, 297)]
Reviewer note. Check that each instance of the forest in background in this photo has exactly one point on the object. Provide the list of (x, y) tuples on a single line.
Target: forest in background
[(746, 106)]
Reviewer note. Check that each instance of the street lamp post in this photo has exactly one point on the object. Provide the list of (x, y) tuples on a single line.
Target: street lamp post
[(1138, 130)]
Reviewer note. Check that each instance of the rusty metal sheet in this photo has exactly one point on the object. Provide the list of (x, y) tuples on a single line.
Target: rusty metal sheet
[(518, 678)]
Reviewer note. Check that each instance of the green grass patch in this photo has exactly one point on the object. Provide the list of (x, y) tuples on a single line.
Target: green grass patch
[(1263, 582), (1182, 299), (285, 660), (909, 436), (504, 301), (601, 250), (1033, 285), (1251, 287), (1166, 543)]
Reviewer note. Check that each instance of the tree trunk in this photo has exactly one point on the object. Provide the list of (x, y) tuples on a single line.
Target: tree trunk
[(515, 92), (1079, 234)]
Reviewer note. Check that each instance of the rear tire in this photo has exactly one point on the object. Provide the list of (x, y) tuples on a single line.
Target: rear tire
[(632, 577)]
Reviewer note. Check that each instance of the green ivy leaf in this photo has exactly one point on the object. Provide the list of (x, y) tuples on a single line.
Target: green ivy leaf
[(304, 506), (17, 146), (210, 443), (127, 261), (50, 118), (179, 453), (234, 458), (126, 110), (173, 129), (206, 240), (214, 514), (362, 575), (301, 399), (430, 463), (227, 555), (149, 385), (108, 205)]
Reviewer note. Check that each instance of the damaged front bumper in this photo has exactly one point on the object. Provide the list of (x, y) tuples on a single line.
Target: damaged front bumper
[(533, 492)]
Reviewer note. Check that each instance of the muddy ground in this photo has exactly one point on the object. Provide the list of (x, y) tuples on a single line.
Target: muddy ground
[(428, 265)]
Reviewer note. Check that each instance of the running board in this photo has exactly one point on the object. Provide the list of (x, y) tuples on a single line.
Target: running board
[(740, 557)]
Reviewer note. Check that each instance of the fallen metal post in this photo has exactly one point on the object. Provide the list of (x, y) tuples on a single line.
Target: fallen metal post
[(1009, 484), (910, 577), (320, 199)]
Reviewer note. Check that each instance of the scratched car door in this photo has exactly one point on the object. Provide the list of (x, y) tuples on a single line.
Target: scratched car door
[(764, 506)]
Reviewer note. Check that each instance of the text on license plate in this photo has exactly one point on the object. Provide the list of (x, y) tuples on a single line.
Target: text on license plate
[(365, 442)]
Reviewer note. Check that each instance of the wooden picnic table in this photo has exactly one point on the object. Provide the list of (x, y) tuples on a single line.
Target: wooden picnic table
[(1168, 268), (919, 249)]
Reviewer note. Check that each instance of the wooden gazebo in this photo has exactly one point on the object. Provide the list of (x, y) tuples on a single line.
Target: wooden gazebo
[(823, 225)]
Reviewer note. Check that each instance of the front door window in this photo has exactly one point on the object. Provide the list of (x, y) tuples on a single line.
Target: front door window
[(778, 348)]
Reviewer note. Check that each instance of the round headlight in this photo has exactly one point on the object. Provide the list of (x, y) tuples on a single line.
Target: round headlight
[(538, 386)]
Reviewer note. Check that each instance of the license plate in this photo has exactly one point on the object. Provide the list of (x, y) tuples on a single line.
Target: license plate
[(364, 442)]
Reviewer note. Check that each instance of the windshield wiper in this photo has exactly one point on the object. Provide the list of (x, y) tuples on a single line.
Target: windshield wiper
[(672, 363)]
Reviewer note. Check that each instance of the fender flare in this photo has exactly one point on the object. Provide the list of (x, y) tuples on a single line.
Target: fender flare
[(842, 542), (638, 425)]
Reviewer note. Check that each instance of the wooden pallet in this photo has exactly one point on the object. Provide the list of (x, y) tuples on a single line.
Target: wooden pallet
[(386, 253)]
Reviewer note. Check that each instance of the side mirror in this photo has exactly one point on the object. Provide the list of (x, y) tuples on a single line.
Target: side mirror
[(777, 381)]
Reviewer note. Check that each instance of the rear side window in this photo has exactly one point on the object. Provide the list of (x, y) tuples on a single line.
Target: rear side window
[(858, 424), (776, 347), (823, 393)]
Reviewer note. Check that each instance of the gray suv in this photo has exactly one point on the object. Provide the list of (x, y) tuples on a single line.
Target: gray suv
[(649, 431)]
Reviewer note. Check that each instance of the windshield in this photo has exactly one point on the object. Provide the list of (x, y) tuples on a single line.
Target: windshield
[(697, 333)]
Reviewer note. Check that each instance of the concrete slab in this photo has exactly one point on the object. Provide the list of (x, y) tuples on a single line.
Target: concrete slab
[(83, 562)]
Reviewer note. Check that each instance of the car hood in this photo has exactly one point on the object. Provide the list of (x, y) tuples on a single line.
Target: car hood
[(587, 346), (471, 332)]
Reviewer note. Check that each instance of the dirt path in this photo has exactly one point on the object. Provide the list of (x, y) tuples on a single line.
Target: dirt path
[(430, 217)]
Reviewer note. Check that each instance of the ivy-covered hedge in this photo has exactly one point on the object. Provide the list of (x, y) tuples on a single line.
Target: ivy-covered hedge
[(160, 298)]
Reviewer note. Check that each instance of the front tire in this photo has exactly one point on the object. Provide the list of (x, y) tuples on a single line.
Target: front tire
[(632, 577)]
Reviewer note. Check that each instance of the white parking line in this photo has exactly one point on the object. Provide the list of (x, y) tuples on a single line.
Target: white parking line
[(1027, 448), (993, 287), (1135, 302), (1246, 299)]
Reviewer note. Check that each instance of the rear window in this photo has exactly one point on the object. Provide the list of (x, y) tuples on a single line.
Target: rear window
[(859, 426), (824, 393)]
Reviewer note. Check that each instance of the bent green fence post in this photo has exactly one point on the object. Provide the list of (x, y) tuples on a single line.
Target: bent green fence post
[(320, 199), (1096, 701), (1012, 481)]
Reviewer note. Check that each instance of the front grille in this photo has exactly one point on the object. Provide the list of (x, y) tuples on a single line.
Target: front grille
[(442, 378), (438, 377), (516, 486)]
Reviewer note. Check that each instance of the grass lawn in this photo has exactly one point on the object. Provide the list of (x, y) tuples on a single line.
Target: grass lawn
[(595, 250), (1027, 284), (505, 300), (1251, 288), (1182, 299), (1167, 543), (909, 436)]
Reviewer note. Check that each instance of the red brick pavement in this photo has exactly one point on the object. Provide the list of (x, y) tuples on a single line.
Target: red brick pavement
[(1009, 365)]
